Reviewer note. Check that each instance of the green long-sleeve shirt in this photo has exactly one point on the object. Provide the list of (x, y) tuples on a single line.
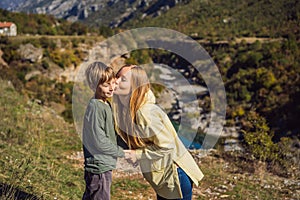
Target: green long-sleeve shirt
[(99, 138)]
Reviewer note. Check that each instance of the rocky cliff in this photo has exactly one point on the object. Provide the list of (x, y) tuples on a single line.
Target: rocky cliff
[(100, 12)]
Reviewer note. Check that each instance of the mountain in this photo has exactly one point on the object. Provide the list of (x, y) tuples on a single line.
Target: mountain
[(197, 18), (10, 4), (97, 12)]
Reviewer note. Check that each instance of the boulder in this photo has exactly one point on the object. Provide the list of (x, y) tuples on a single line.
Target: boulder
[(30, 53)]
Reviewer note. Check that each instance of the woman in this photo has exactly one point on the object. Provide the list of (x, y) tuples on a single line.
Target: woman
[(165, 162)]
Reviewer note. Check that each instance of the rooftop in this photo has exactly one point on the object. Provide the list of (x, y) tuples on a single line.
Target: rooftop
[(5, 24)]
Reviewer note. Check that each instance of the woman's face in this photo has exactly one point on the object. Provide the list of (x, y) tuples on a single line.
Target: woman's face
[(123, 82)]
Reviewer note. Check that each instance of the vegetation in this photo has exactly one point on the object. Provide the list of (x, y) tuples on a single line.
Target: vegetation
[(40, 24), (58, 53), (261, 80), (258, 77), (217, 19), (34, 147)]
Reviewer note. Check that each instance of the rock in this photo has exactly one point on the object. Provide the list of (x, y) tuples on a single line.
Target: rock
[(32, 74), (224, 196), (2, 62), (57, 107), (166, 99), (115, 12), (30, 53), (232, 145)]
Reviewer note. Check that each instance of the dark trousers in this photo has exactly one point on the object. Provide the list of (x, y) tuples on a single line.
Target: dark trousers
[(97, 186), (186, 185)]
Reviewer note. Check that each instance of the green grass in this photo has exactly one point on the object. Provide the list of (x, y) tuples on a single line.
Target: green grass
[(34, 145)]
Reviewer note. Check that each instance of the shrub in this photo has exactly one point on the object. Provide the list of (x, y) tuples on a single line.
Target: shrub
[(258, 138)]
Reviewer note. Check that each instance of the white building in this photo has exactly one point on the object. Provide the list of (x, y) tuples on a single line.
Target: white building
[(8, 29)]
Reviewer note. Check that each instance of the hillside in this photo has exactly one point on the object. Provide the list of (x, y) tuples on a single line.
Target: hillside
[(227, 19), (41, 24), (34, 145), (257, 76), (39, 160)]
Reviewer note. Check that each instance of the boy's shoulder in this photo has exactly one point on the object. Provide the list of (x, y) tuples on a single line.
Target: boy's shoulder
[(98, 103), (93, 101)]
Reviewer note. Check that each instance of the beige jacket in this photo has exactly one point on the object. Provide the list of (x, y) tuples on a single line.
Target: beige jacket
[(159, 161)]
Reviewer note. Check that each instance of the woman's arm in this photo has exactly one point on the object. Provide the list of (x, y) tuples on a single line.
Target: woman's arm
[(154, 124)]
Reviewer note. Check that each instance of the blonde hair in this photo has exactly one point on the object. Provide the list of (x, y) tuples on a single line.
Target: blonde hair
[(98, 73), (125, 116)]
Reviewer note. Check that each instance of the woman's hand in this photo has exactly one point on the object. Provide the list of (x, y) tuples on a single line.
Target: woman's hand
[(130, 156)]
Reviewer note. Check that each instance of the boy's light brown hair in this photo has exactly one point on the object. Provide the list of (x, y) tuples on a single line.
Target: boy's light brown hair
[(98, 73)]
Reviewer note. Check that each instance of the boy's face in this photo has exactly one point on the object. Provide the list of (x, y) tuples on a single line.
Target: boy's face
[(105, 90)]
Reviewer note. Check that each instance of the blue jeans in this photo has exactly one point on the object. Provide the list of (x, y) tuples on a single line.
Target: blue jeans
[(186, 185)]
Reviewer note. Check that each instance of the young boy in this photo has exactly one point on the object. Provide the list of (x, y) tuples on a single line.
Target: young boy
[(99, 137)]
